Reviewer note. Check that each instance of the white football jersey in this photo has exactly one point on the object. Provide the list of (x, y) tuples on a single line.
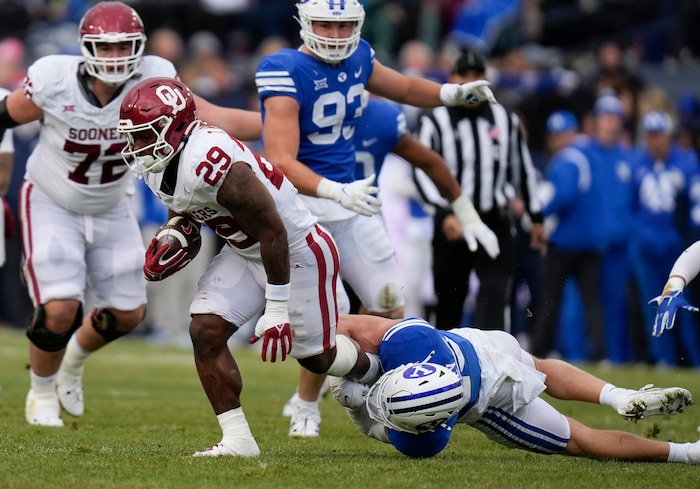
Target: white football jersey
[(190, 185), (77, 161)]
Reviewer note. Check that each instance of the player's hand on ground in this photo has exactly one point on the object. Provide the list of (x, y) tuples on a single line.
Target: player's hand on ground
[(469, 93), (161, 264), (274, 328), (668, 304), (358, 196)]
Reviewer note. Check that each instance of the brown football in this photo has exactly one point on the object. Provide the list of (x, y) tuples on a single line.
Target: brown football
[(180, 233)]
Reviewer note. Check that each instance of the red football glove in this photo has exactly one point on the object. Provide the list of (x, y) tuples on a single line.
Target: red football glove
[(158, 268), (274, 327), (9, 219)]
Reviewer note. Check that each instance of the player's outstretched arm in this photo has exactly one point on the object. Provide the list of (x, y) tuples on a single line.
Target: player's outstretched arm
[(245, 125), (422, 92), (671, 300)]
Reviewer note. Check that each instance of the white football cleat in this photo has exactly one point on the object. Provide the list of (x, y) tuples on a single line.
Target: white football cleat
[(649, 401), (42, 411), (238, 448), (71, 398), (305, 422)]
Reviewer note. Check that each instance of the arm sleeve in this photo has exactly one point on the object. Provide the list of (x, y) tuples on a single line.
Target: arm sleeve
[(687, 265)]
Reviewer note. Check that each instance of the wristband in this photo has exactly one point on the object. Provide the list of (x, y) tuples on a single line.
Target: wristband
[(326, 189), (277, 292), (675, 282), (463, 207)]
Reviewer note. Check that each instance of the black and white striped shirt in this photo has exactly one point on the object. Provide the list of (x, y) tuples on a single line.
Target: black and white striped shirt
[(485, 150)]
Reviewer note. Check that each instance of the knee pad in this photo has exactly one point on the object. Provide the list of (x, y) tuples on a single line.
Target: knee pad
[(105, 324), (45, 339)]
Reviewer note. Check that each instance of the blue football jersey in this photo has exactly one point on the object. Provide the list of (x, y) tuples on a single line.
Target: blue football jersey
[(379, 130), (415, 340), (330, 104)]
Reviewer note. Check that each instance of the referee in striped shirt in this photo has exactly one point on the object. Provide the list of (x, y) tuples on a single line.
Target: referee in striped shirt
[(484, 147)]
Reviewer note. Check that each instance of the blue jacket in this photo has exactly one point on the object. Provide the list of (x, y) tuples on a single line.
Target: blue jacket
[(576, 205), (658, 189)]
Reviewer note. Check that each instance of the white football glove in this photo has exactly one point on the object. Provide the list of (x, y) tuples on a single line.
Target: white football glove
[(468, 93), (348, 393), (474, 228), (358, 196)]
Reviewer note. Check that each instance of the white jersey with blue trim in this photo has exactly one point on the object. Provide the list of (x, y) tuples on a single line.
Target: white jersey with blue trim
[(77, 161), (191, 184)]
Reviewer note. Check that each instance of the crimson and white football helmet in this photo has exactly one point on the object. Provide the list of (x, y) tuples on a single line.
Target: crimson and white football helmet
[(329, 49), (164, 107), (111, 22), (416, 397)]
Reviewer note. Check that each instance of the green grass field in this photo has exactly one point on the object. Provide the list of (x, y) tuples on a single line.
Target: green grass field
[(146, 414)]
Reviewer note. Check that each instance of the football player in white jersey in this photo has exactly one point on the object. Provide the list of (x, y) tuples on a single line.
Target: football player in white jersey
[(277, 257), (76, 211), (311, 103), (482, 378)]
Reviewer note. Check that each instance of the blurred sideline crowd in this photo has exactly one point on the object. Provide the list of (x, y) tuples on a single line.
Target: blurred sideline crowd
[(557, 64)]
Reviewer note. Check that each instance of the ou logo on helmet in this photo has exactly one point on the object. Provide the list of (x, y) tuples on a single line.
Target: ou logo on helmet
[(418, 371), (172, 98)]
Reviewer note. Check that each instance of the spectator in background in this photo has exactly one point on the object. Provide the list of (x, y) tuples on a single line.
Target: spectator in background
[(575, 243), (614, 72), (12, 68), (664, 174), (607, 142), (168, 44), (209, 75)]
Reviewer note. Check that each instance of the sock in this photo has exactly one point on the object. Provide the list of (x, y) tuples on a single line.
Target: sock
[(678, 452), (370, 377), (307, 405), (609, 394), (73, 360), (237, 438), (43, 386), (233, 423)]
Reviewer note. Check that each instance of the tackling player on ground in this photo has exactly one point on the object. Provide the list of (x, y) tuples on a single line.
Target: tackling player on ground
[(435, 379)]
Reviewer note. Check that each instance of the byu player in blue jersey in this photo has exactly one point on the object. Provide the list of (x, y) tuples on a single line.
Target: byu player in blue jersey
[(498, 395), (311, 103)]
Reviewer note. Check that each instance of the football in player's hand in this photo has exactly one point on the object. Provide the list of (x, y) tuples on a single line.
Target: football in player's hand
[(180, 233)]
